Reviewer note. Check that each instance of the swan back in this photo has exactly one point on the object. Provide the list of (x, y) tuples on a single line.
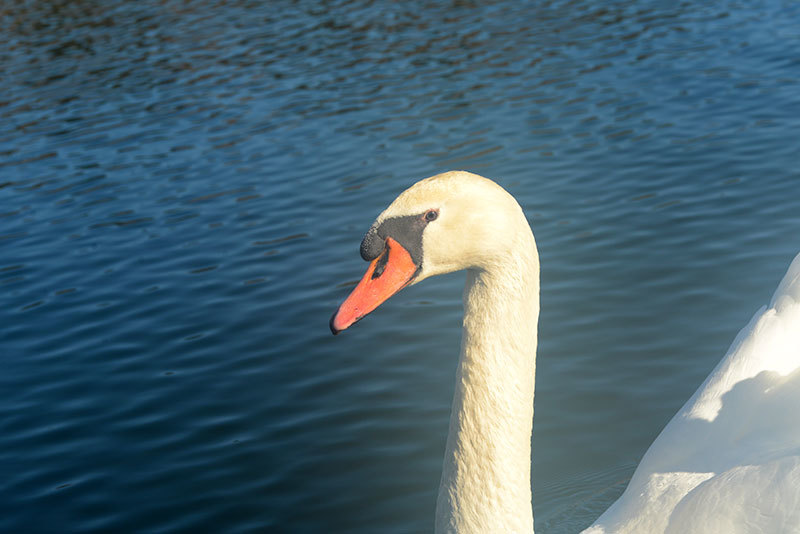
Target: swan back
[(729, 461)]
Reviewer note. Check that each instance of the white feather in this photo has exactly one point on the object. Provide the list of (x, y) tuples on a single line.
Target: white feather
[(727, 463)]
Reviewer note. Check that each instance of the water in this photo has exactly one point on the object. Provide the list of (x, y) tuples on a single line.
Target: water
[(184, 186)]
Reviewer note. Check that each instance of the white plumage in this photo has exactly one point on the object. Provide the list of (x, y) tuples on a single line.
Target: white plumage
[(727, 463)]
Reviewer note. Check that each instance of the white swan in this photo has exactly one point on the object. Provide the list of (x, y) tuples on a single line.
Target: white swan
[(728, 462)]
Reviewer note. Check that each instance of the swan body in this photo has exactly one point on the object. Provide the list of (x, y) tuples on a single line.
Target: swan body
[(728, 462)]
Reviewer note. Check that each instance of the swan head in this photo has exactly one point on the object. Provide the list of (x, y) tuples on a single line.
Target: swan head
[(445, 223)]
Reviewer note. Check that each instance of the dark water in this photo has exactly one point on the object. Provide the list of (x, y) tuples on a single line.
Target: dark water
[(184, 185)]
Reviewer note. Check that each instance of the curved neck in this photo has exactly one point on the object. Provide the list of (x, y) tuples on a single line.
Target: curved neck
[(486, 484)]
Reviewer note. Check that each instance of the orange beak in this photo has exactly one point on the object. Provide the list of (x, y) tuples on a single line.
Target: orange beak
[(386, 275)]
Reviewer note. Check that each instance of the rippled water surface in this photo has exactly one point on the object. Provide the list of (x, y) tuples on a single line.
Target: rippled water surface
[(184, 186)]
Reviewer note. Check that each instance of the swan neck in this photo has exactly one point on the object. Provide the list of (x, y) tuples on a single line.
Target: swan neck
[(486, 484)]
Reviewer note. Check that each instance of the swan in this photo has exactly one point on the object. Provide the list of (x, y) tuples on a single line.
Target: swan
[(728, 462)]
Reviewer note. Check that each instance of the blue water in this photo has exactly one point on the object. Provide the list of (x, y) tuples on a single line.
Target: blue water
[(183, 190)]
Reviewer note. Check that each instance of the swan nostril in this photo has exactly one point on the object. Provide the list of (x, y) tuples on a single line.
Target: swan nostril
[(381, 265)]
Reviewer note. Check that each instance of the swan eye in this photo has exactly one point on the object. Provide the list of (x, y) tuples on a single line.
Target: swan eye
[(431, 215)]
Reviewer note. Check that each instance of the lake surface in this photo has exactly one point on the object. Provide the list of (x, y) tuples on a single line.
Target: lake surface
[(184, 187)]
